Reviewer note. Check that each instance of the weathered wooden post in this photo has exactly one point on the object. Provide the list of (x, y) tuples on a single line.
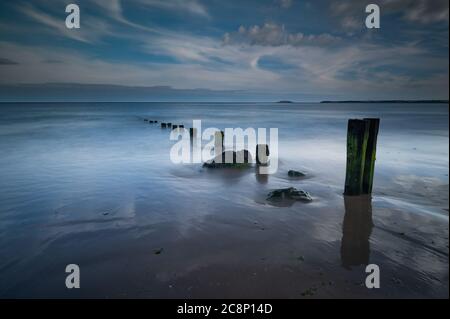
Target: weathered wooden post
[(357, 135), (219, 137), (262, 154), (192, 133), (361, 152), (371, 151)]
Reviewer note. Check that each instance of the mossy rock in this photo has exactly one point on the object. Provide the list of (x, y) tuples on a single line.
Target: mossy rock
[(289, 193), (230, 159)]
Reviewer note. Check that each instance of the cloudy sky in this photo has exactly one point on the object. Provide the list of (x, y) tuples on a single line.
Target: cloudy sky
[(225, 49)]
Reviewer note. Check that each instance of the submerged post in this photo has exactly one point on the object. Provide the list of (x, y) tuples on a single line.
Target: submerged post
[(262, 154), (361, 153), (369, 166)]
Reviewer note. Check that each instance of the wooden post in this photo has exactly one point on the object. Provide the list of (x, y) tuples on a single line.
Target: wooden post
[(192, 134), (369, 166), (169, 125), (163, 125), (219, 137), (362, 138), (262, 154), (357, 136)]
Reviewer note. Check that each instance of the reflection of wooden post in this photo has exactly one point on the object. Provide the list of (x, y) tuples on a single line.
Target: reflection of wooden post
[(356, 230), (262, 154), (369, 166)]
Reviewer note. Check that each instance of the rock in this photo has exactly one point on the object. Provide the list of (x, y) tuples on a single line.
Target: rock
[(289, 193), (220, 161), (158, 251), (293, 173), (309, 292)]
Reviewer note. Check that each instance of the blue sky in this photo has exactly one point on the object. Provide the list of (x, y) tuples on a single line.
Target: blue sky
[(256, 50)]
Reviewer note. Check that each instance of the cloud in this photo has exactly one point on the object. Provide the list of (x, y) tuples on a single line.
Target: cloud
[(285, 3), (271, 34), (189, 6), (267, 57), (4, 61), (115, 11), (90, 32), (54, 24), (351, 13), (425, 12)]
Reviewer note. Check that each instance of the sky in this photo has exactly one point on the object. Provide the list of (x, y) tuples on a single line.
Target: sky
[(227, 50)]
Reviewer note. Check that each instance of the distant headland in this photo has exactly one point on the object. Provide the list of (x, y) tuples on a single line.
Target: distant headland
[(285, 101), (388, 101)]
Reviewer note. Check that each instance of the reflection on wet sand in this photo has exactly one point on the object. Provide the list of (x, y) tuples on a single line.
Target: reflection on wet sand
[(261, 178), (356, 231)]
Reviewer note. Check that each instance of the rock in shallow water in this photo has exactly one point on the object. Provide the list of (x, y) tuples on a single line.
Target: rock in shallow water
[(289, 193), (230, 159), (293, 173)]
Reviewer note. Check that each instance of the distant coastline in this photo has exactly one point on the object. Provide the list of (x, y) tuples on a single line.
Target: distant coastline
[(389, 101), (285, 101)]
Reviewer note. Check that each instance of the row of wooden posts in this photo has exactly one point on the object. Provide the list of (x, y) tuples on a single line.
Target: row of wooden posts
[(362, 135)]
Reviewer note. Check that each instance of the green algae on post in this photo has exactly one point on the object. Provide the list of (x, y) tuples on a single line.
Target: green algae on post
[(357, 136), (369, 166)]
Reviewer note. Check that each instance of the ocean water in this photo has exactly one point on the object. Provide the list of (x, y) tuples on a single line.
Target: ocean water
[(92, 184)]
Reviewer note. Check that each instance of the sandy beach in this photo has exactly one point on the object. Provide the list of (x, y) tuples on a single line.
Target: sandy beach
[(92, 184)]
